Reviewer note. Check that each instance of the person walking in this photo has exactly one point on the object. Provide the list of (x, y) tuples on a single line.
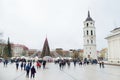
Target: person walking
[(102, 64), (5, 63), (74, 61), (24, 65), (60, 64), (17, 65), (68, 63), (30, 63), (38, 64), (44, 64), (33, 71), (21, 65), (27, 70), (80, 63)]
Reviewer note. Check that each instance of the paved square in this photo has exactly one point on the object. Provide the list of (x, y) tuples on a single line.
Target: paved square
[(53, 72)]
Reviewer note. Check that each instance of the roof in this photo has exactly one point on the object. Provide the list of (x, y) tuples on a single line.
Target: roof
[(89, 18), (114, 32), (116, 29), (19, 45)]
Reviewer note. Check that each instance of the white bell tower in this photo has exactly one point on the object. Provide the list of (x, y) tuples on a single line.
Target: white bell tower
[(89, 38)]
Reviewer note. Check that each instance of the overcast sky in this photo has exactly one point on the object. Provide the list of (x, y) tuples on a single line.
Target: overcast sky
[(28, 22)]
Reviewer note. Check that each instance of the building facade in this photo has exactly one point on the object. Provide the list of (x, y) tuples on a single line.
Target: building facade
[(103, 54), (19, 50), (114, 45), (89, 38), (2, 43)]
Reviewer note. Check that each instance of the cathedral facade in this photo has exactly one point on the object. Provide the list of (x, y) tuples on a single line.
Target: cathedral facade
[(114, 45)]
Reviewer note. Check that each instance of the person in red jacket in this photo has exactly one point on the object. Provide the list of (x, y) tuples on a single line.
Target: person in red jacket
[(38, 64)]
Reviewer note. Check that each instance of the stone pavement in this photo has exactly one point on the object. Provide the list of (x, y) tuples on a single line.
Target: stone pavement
[(52, 72)]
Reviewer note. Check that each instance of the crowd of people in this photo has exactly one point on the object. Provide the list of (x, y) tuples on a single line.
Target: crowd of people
[(63, 62), (30, 66), (27, 66)]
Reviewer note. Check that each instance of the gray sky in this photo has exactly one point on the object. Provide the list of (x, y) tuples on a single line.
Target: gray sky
[(28, 22)]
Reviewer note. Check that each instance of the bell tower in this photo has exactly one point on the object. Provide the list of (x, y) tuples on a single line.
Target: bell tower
[(89, 38)]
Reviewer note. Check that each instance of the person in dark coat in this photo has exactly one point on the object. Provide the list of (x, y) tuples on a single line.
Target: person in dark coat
[(17, 65), (33, 71), (60, 64), (74, 61), (24, 65), (102, 64), (30, 63), (21, 65), (68, 62), (5, 63), (44, 64)]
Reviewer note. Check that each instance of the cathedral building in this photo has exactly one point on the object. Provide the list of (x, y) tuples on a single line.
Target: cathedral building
[(114, 45)]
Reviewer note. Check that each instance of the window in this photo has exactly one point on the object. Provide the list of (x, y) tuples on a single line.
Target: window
[(91, 32), (88, 41), (87, 24), (87, 32), (91, 41)]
